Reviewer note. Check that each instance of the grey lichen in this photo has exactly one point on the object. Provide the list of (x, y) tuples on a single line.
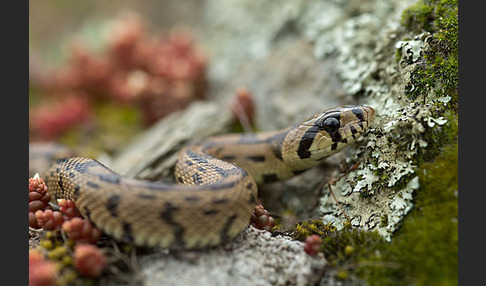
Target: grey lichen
[(410, 50), (383, 184)]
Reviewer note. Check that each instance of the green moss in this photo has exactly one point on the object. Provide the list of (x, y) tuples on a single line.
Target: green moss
[(439, 136), (353, 249), (350, 252), (310, 227), (384, 220), (418, 16), (425, 247), (437, 70), (342, 274), (423, 251)]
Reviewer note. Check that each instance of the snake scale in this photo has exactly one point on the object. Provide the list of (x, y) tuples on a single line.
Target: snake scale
[(217, 182)]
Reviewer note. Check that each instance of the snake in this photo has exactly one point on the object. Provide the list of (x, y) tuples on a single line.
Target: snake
[(216, 185)]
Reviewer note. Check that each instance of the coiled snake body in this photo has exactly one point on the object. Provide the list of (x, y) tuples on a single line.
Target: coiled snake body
[(217, 191)]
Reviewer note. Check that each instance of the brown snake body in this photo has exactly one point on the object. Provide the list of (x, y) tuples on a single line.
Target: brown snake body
[(218, 182)]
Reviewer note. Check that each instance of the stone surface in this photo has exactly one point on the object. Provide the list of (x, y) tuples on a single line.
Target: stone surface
[(253, 258), (152, 154)]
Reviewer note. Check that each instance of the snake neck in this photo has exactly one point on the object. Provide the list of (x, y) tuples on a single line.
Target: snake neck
[(262, 155), (291, 149)]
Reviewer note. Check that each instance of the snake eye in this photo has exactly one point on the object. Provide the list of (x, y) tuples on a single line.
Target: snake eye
[(330, 123)]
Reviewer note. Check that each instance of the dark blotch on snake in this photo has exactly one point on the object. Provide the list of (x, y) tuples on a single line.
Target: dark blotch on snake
[(92, 185), (60, 183), (167, 215), (268, 178), (192, 199), (112, 204), (256, 158), (76, 192), (224, 232), (277, 152), (110, 178), (358, 112), (334, 146), (220, 201), (127, 232), (306, 142), (252, 198), (210, 212)]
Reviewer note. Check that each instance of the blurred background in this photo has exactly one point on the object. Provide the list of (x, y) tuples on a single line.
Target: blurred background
[(101, 71), (50, 21)]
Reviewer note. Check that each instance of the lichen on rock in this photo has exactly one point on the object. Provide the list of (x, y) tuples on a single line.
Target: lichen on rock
[(387, 177)]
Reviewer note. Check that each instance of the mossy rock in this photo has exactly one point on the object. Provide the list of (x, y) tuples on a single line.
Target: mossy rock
[(437, 71)]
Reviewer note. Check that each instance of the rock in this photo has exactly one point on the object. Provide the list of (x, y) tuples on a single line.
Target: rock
[(152, 154), (253, 258)]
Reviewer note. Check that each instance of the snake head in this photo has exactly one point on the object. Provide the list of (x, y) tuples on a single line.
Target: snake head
[(333, 130)]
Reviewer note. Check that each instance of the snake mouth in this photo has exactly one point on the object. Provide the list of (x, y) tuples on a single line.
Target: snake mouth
[(370, 112)]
